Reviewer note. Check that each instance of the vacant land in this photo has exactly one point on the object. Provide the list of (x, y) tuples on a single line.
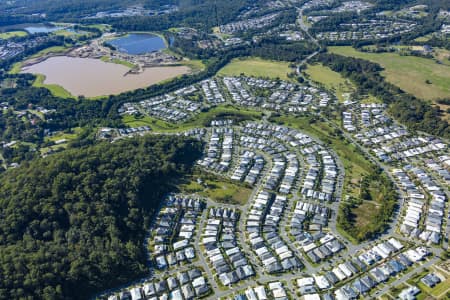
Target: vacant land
[(443, 55), (70, 135), (194, 64), (421, 77), (257, 67), (11, 34), (217, 188), (50, 50), (118, 61), (200, 120), (331, 80), (55, 89)]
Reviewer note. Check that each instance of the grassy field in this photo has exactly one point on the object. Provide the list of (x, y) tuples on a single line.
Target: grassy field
[(16, 68), (11, 34), (256, 67), (443, 55), (102, 27), (55, 89), (217, 189), (410, 73), (371, 99), (55, 49), (117, 61), (331, 80), (194, 64), (64, 136), (198, 121)]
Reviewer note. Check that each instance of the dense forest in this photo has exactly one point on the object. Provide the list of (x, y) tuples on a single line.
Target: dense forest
[(73, 224), (407, 109)]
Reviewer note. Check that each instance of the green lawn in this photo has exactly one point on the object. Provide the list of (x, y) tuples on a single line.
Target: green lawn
[(217, 189), (54, 49), (11, 34), (331, 80), (194, 64), (65, 33), (16, 68), (199, 120), (256, 67), (408, 72), (64, 136), (371, 99), (102, 27), (439, 291), (118, 61), (55, 89)]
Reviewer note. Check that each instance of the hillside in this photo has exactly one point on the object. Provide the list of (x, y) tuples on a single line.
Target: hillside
[(77, 219)]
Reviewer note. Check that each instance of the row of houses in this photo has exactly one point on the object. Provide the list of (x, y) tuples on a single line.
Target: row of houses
[(372, 30), (238, 93), (425, 198), (219, 152), (424, 212), (390, 268), (377, 271), (196, 133), (379, 263), (11, 48), (281, 95), (222, 250), (212, 92), (363, 116), (441, 166), (262, 227), (171, 107), (273, 290), (173, 231), (320, 180), (249, 24), (321, 177), (186, 285), (306, 224), (128, 132), (249, 167), (317, 4), (435, 211)]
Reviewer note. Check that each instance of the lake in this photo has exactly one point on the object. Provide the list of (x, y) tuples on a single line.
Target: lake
[(138, 43), (92, 77), (41, 29)]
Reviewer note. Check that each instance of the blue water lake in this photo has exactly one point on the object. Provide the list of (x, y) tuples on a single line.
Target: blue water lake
[(41, 29), (138, 43)]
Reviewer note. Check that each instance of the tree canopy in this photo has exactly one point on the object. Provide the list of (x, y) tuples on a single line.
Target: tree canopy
[(73, 224)]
